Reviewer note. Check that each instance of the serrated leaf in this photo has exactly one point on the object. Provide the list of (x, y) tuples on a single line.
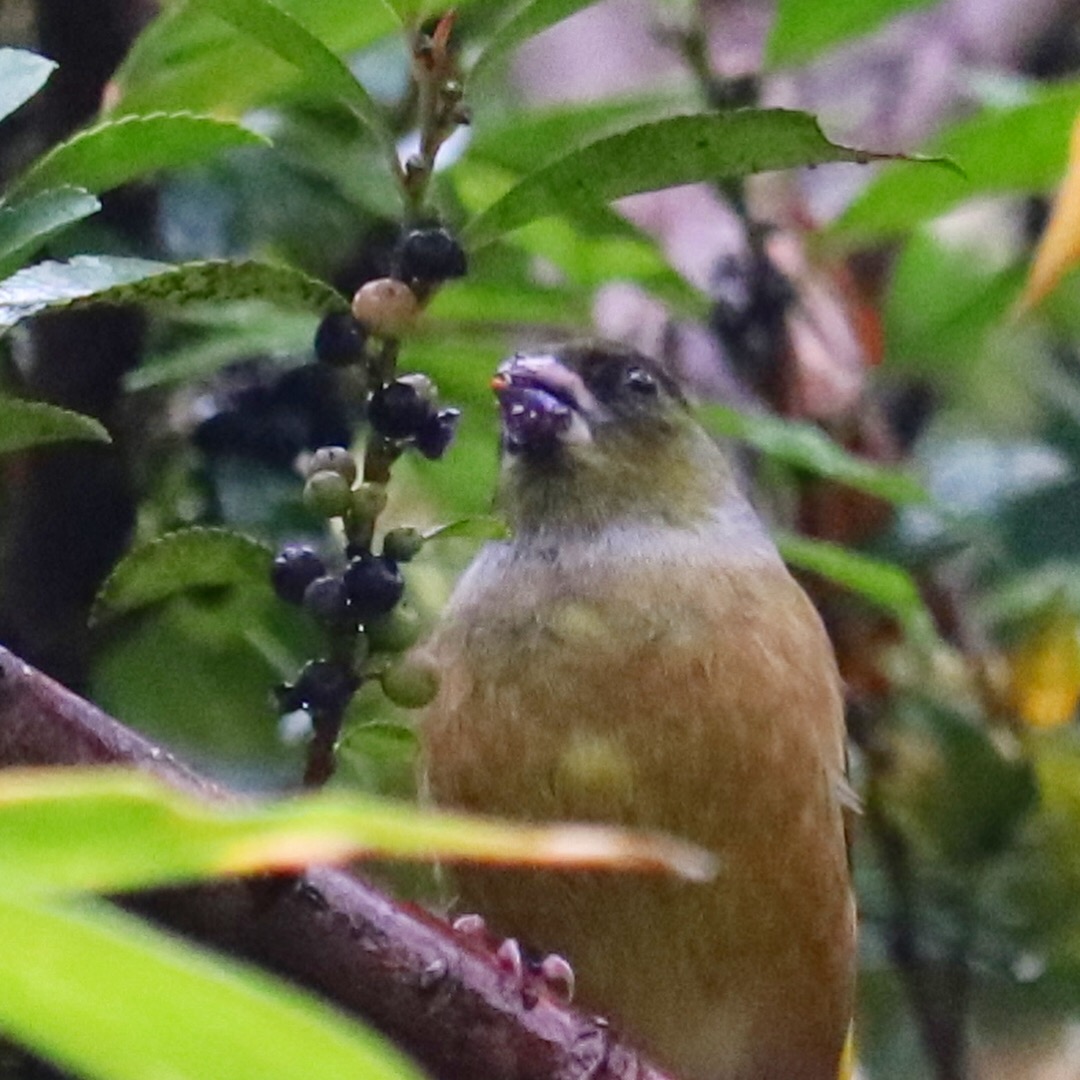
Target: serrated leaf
[(803, 28), (470, 528), (30, 223), (1036, 135), (101, 279), (678, 150), (102, 831), (105, 995), (523, 22), (118, 151), (178, 562), (807, 447), (24, 424), (22, 75), (884, 584), (526, 139), (285, 36)]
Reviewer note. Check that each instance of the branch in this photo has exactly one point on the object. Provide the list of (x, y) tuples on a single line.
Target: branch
[(443, 998)]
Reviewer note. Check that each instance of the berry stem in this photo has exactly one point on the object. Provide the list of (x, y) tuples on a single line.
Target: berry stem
[(321, 759)]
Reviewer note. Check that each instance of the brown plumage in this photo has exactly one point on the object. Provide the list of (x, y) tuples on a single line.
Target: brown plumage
[(639, 654)]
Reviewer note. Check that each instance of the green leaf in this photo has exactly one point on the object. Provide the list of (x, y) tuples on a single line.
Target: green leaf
[(118, 151), (527, 139), (470, 528), (679, 150), (285, 36), (884, 584), (590, 244), (265, 332), (22, 75), (107, 997), (803, 28), (30, 223), (101, 279), (111, 830), (33, 423), (180, 561), (807, 447), (189, 59), (1015, 149), (524, 20)]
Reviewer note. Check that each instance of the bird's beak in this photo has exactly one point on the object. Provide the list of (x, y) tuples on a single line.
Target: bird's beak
[(543, 403)]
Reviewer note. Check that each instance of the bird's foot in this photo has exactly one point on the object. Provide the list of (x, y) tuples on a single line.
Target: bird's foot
[(528, 974)]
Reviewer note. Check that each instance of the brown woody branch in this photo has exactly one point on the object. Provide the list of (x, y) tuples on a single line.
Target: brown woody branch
[(444, 999)]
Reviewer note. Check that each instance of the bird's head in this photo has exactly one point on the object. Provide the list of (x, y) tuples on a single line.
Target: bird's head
[(596, 433)]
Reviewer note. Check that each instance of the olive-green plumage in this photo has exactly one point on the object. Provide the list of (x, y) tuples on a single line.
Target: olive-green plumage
[(639, 654)]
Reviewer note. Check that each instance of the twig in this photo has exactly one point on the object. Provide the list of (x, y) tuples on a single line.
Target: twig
[(940, 1005), (441, 996)]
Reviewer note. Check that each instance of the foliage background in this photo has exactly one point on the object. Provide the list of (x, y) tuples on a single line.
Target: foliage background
[(955, 615)]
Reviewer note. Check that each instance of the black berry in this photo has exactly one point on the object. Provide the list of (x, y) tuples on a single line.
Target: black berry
[(374, 585), (325, 687), (437, 433), (432, 254), (339, 341), (400, 409), (294, 569), (327, 600)]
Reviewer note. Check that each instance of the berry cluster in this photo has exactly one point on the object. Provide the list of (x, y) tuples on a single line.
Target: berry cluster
[(357, 603), (402, 410)]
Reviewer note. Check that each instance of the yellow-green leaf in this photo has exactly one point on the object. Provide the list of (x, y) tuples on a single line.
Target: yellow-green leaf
[(97, 830)]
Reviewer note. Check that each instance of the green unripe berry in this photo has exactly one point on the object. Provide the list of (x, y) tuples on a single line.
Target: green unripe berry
[(327, 493), (402, 544), (396, 631), (333, 459), (410, 683), (368, 501)]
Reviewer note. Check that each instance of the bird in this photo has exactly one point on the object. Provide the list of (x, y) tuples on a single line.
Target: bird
[(636, 653)]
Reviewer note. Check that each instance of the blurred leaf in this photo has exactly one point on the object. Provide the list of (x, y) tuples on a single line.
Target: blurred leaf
[(277, 30), (196, 672), (525, 19), (679, 150), (1035, 134), (101, 830), (118, 151), (33, 423), (803, 28), (884, 584), (22, 75), (942, 302), (590, 244), (112, 279), (105, 996), (1059, 246), (30, 223), (187, 58), (959, 796), (470, 528), (1019, 601), (807, 447), (1044, 669), (177, 562)]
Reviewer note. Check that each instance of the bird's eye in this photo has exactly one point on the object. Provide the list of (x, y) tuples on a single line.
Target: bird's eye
[(640, 381)]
